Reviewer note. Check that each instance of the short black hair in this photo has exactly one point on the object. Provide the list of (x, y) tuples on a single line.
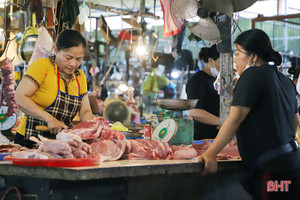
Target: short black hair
[(258, 42), (69, 38), (206, 53)]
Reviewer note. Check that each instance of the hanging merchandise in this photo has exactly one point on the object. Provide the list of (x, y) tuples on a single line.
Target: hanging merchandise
[(43, 45), (51, 20), (153, 82), (11, 51), (172, 24), (7, 92), (67, 11), (28, 41), (129, 34), (37, 7), (83, 13)]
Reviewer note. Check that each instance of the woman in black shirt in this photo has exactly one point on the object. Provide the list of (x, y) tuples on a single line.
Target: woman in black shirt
[(200, 86), (264, 117)]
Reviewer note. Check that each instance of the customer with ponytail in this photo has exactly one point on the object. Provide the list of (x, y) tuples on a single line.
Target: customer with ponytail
[(200, 86), (264, 117)]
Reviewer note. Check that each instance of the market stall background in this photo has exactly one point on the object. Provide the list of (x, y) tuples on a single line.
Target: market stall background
[(130, 60)]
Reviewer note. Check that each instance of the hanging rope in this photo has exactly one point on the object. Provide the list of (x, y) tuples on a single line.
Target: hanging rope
[(113, 60), (90, 13), (156, 36)]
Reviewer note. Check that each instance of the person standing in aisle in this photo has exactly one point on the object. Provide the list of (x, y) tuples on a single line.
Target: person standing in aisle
[(265, 118), (200, 86), (54, 90)]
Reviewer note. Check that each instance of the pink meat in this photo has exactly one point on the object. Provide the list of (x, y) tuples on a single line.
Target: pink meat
[(183, 152), (201, 148), (229, 152), (90, 129), (70, 138), (111, 145), (7, 91), (147, 150), (31, 154)]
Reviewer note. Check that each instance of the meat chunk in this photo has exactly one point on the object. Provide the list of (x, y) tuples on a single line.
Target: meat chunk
[(7, 92), (140, 149), (31, 154), (111, 145), (52, 146), (183, 152), (70, 138), (90, 129)]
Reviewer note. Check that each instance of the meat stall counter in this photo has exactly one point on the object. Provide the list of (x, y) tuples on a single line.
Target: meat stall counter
[(125, 179)]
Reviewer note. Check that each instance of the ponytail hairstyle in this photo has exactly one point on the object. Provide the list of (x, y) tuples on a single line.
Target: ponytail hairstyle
[(256, 41), (205, 53)]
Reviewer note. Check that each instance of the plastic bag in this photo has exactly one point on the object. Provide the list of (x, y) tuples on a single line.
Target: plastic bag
[(147, 85), (83, 13), (162, 82), (43, 45)]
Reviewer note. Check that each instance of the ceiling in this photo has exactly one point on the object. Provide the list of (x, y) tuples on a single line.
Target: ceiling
[(136, 5)]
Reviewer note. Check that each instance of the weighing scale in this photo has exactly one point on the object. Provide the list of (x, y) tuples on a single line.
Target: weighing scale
[(6, 122), (175, 129)]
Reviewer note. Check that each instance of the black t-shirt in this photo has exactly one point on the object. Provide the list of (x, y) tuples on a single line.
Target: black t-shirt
[(270, 123), (200, 86)]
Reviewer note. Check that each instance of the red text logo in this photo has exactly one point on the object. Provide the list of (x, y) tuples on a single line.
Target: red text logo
[(275, 186)]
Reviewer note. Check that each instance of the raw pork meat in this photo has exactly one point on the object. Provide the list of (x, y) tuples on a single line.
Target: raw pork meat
[(183, 152), (31, 154), (229, 152), (52, 146), (140, 149), (111, 145), (79, 149), (7, 89), (70, 138), (89, 129)]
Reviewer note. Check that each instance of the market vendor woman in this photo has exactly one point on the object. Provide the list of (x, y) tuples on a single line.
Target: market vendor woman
[(54, 90)]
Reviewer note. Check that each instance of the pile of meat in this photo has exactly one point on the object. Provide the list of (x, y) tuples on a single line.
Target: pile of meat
[(141, 149), (109, 144), (9, 148), (230, 151), (112, 145), (66, 145), (7, 90)]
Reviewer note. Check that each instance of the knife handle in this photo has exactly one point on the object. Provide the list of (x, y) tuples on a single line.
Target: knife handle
[(42, 128)]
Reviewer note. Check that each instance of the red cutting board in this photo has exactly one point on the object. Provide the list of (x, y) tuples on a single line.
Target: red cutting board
[(74, 162)]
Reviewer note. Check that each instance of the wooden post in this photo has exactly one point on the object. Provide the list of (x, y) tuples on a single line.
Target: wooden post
[(226, 69), (226, 85)]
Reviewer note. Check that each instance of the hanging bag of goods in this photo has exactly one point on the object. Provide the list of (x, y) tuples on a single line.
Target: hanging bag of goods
[(28, 41)]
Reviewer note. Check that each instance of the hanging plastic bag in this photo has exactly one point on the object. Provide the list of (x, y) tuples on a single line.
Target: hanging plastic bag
[(43, 45), (83, 13), (162, 82), (147, 85), (217, 83)]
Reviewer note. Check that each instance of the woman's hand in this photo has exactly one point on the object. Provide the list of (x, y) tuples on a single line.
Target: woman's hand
[(56, 126), (210, 163)]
